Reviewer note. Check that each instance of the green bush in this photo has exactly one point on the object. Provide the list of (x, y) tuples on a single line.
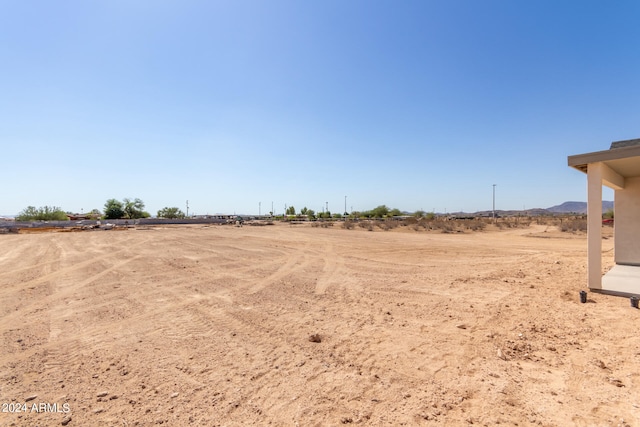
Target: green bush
[(44, 213), (170, 213)]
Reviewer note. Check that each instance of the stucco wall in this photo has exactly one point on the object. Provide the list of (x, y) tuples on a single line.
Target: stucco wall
[(627, 223)]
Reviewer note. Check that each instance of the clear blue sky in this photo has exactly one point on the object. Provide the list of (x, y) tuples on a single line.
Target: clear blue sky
[(413, 104)]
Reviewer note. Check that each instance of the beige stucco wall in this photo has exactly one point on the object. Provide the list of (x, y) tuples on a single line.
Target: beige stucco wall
[(627, 223)]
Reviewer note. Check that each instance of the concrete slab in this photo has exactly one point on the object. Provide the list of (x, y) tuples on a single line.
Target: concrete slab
[(621, 280)]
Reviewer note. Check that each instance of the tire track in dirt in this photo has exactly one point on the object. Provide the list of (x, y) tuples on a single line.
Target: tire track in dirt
[(60, 291), (11, 250), (175, 295), (333, 270), (62, 283), (17, 254), (56, 273), (175, 319), (15, 305), (13, 292), (294, 262), (207, 326), (269, 264), (27, 250)]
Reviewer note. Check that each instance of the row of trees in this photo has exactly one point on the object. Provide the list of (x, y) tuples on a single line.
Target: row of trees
[(134, 209), (113, 209), (310, 213), (381, 211), (304, 211)]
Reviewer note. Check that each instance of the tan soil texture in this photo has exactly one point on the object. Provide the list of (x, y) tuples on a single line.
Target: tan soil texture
[(294, 325)]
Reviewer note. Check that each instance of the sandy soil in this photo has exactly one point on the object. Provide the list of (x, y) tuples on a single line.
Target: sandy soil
[(211, 326)]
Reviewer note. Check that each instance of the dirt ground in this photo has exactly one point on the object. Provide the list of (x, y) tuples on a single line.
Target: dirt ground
[(293, 325)]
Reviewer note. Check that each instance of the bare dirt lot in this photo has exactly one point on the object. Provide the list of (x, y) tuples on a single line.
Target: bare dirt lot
[(294, 325)]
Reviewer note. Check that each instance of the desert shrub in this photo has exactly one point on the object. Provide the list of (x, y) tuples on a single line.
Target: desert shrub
[(387, 225), (548, 220), (573, 225), (443, 226), (260, 223), (436, 225), (348, 225), (410, 221), (474, 224), (512, 223), (447, 228), (323, 224)]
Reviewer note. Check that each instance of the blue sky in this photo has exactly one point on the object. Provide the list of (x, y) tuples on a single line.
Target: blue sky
[(412, 104)]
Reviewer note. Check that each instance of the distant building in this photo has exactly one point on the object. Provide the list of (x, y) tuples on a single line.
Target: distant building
[(81, 217)]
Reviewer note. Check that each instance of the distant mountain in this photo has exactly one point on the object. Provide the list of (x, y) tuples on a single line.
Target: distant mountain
[(577, 207)]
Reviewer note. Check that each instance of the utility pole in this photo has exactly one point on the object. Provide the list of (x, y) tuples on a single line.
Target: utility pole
[(494, 202), (187, 209), (259, 208), (345, 205)]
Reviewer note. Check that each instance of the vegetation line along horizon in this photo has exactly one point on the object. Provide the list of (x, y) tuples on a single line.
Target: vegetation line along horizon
[(134, 209)]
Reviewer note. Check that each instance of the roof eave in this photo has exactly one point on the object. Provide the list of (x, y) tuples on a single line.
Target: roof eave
[(581, 161)]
